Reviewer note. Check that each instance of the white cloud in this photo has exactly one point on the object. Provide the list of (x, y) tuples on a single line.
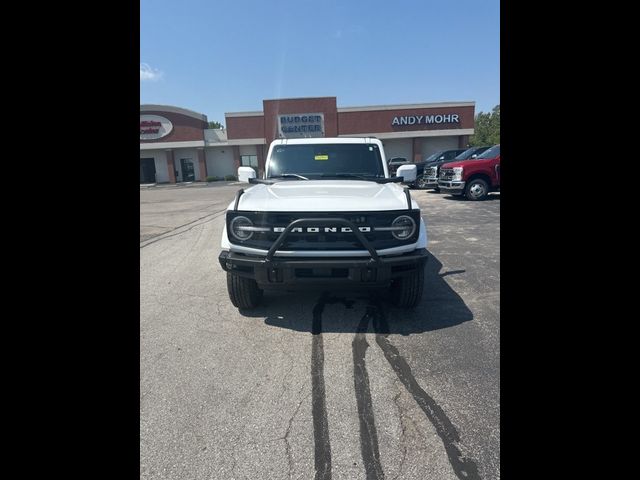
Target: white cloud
[(149, 74)]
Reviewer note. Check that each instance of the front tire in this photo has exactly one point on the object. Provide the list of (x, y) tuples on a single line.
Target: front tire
[(477, 189), (421, 182), (406, 291), (243, 292)]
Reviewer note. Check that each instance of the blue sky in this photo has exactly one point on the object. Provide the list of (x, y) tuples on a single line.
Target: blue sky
[(227, 56)]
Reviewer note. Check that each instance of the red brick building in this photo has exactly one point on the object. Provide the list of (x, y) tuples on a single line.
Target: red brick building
[(177, 145)]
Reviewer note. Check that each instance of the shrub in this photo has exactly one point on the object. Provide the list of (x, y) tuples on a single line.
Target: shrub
[(213, 179), (230, 178)]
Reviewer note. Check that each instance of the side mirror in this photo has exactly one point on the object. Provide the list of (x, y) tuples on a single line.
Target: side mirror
[(409, 172), (245, 173)]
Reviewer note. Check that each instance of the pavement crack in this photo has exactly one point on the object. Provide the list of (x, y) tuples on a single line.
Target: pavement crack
[(286, 375), (235, 463), (401, 415), (233, 455), (155, 298), (286, 434), (195, 295), (165, 235)]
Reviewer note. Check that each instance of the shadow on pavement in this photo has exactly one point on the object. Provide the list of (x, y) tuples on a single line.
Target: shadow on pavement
[(440, 307)]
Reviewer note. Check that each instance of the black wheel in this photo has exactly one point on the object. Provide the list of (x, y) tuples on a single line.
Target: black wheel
[(476, 189), (243, 292), (421, 182), (407, 291), (437, 190)]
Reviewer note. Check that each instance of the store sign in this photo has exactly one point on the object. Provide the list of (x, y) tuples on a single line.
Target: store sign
[(301, 125), (425, 119), (153, 127)]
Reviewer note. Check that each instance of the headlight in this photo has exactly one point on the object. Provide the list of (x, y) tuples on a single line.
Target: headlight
[(241, 228), (403, 227), (457, 174)]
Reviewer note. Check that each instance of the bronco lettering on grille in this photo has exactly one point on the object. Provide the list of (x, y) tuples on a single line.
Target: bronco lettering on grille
[(318, 229)]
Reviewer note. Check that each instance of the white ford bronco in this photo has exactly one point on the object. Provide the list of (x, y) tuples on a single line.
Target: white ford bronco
[(326, 215)]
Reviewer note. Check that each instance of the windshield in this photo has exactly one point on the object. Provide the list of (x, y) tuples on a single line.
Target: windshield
[(491, 153), (470, 151), (315, 161), (433, 156)]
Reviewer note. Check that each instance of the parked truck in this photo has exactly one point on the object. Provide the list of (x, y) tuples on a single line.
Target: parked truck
[(429, 177), (473, 178)]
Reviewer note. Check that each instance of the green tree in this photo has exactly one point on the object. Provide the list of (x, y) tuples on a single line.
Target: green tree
[(487, 128), (215, 125)]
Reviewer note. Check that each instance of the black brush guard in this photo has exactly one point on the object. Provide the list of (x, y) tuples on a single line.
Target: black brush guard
[(297, 271)]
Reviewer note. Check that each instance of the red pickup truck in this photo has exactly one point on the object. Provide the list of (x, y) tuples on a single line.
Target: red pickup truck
[(473, 178)]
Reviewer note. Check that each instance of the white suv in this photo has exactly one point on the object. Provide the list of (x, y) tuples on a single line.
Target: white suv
[(326, 214)]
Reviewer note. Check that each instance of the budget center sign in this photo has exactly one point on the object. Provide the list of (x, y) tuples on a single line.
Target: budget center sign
[(301, 125)]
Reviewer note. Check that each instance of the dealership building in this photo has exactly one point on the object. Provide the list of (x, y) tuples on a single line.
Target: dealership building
[(177, 145)]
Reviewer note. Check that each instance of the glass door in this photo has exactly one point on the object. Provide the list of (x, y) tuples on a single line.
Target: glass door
[(147, 170), (188, 171)]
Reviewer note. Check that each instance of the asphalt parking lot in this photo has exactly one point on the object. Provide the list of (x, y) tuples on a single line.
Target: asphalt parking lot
[(338, 385)]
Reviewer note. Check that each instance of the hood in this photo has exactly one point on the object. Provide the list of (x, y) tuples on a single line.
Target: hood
[(448, 163), (458, 163), (324, 196)]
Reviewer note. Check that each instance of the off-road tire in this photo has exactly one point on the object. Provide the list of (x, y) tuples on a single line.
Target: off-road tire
[(406, 291), (477, 189), (243, 292), (421, 182)]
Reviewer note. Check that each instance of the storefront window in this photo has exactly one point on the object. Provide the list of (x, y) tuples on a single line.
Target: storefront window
[(249, 161)]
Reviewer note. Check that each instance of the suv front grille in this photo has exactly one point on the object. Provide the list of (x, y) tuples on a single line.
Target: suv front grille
[(323, 240)]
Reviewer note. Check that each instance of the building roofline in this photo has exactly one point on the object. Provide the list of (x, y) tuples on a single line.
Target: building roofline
[(406, 106), (364, 108), (296, 98), (170, 108), (245, 114)]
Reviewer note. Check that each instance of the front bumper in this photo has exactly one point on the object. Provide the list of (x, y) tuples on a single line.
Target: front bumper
[(447, 186), (429, 182), (288, 272)]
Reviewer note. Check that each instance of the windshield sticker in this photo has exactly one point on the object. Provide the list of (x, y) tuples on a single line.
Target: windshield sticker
[(321, 157)]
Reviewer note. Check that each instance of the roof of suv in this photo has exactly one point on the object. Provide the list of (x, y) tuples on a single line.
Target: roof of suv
[(322, 140)]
